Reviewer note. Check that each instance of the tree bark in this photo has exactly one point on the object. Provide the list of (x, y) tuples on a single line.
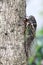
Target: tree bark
[(12, 13)]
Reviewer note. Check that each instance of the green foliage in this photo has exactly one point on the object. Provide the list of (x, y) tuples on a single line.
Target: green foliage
[(36, 60), (31, 59), (39, 33)]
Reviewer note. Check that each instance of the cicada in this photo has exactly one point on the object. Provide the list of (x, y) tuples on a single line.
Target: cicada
[(29, 32)]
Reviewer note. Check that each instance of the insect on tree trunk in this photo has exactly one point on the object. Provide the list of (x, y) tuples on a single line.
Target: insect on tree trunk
[(12, 13)]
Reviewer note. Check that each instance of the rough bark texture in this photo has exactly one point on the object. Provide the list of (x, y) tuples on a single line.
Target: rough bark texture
[(12, 13)]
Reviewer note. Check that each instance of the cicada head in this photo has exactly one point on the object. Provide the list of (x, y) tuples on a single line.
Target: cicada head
[(33, 21)]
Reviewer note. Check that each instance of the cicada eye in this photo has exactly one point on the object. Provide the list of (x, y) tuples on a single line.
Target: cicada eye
[(35, 25)]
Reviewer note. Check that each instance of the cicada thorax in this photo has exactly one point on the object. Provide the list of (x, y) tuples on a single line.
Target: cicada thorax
[(29, 32)]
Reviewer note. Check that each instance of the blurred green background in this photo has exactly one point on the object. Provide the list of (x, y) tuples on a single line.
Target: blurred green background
[(38, 58), (35, 8)]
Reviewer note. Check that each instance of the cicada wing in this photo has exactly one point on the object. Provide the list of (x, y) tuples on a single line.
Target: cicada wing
[(32, 50)]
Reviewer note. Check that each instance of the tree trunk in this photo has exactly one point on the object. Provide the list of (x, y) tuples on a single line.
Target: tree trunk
[(12, 13)]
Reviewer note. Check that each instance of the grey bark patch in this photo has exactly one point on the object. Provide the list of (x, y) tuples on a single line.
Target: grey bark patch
[(1, 0), (10, 38), (3, 47), (1, 63), (6, 33)]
